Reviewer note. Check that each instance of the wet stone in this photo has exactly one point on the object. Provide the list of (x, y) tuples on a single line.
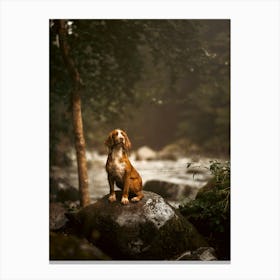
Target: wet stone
[(147, 230)]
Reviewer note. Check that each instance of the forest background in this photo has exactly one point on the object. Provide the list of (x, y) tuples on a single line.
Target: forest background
[(161, 80)]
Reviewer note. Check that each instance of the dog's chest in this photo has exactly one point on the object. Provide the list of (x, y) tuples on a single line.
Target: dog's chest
[(115, 165)]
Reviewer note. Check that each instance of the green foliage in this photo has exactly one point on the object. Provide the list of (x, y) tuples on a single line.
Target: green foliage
[(212, 202), (145, 71), (221, 172), (109, 55), (210, 211)]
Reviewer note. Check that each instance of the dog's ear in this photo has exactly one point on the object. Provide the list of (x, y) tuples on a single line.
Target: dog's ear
[(127, 141), (109, 141)]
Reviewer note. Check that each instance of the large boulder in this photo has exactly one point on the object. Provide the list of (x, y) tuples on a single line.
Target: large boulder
[(62, 191), (145, 153), (147, 230), (57, 211), (170, 152), (178, 149), (69, 247), (57, 217), (171, 191)]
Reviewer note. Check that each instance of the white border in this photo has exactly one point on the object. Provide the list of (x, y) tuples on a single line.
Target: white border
[(24, 138)]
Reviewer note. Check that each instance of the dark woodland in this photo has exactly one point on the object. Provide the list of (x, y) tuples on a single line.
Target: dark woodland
[(167, 84)]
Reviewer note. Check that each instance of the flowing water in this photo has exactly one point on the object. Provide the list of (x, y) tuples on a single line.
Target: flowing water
[(165, 170)]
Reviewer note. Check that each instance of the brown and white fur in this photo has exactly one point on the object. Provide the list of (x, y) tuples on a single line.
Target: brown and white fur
[(119, 168)]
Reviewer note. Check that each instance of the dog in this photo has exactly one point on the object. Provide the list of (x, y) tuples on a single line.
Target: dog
[(119, 168)]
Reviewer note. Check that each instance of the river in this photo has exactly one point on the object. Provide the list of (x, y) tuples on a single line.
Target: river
[(165, 170)]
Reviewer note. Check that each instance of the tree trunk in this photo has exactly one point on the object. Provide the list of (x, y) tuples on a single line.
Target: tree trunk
[(76, 114)]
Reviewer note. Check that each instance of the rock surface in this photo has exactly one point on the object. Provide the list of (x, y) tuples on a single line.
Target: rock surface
[(178, 149), (169, 152), (201, 254), (147, 230), (145, 153), (68, 247), (57, 215), (61, 191), (171, 191)]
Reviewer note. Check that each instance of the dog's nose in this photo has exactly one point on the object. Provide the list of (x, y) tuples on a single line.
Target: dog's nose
[(120, 136)]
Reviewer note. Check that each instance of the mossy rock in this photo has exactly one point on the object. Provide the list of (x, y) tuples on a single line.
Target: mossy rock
[(69, 247), (147, 230)]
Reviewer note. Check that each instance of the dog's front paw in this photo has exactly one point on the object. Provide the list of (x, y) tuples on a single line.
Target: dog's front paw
[(135, 199), (125, 200), (112, 198)]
